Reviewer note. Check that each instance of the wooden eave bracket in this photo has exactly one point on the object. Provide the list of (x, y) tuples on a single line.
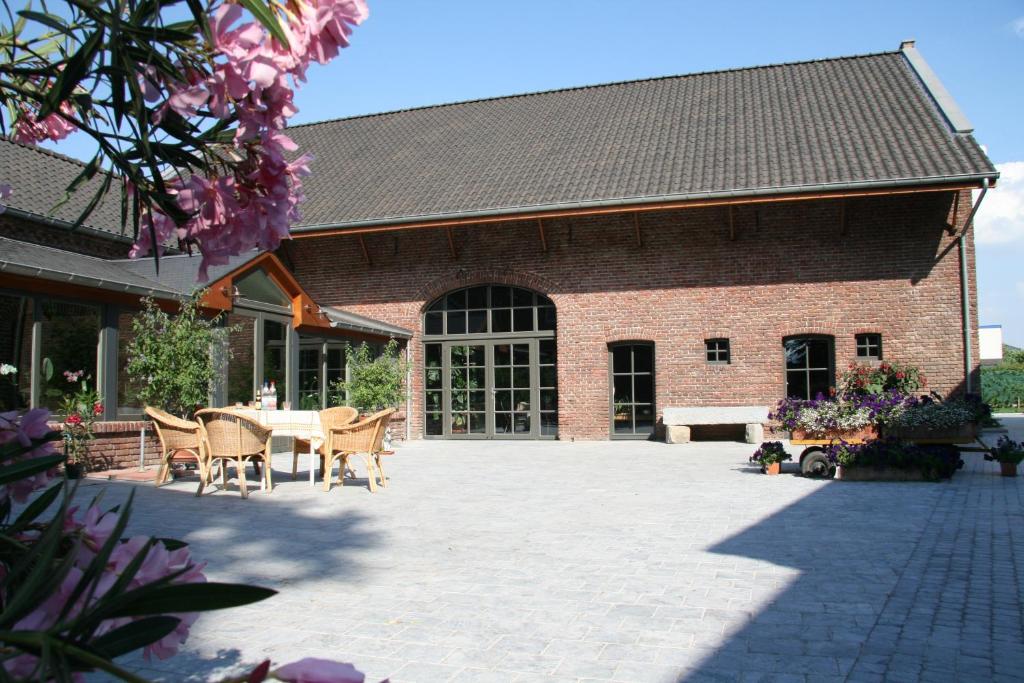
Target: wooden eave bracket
[(366, 252), (951, 226), (543, 238), (451, 244)]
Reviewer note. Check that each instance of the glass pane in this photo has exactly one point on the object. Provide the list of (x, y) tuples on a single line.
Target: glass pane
[(521, 377), (240, 363), (477, 400), (477, 322), (127, 391), (502, 378), (548, 376), (548, 399), (70, 336), (796, 384), (544, 301), (437, 305), (476, 379), (623, 422), (476, 356), (257, 286), (522, 320), (16, 350), (547, 351), (522, 297), (478, 297), (457, 300), (432, 355), (522, 423), (503, 400), (433, 378), (521, 400), (820, 382), (796, 353), (456, 322), (274, 357), (459, 376), (549, 424), (336, 357), (501, 320), (643, 387), (502, 354), (459, 421), (434, 426), (309, 359), (621, 356), (500, 296), (520, 354), (434, 404), (434, 323), (503, 423), (477, 423), (818, 353), (643, 358), (644, 419), (546, 318), (623, 389), (460, 400), (459, 356)]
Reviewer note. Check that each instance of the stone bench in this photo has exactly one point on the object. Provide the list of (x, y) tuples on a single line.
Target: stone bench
[(679, 420)]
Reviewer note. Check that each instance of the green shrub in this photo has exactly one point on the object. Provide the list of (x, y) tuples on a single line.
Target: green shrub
[(1002, 388), (374, 382)]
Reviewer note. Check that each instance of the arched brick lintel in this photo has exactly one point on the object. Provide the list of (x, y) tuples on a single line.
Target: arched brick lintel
[(463, 277)]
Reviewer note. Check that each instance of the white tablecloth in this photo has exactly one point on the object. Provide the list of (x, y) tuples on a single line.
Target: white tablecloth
[(304, 424)]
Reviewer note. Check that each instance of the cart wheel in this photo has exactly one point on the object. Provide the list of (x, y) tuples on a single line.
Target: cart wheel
[(813, 463)]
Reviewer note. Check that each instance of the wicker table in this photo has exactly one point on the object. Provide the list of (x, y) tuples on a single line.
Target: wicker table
[(304, 424)]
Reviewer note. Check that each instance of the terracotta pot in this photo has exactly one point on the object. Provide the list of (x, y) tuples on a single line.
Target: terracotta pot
[(774, 468), (849, 435), (1008, 469)]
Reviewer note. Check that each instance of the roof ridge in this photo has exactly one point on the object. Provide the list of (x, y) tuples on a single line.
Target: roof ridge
[(593, 86)]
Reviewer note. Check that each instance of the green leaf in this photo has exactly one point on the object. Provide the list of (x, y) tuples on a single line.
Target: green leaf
[(72, 74), (36, 508), (133, 636), (266, 16), (46, 19), (26, 468), (190, 597)]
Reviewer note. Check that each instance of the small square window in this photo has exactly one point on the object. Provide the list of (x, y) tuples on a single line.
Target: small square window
[(717, 351), (869, 346)]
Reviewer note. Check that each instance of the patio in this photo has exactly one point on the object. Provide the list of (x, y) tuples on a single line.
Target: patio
[(635, 561)]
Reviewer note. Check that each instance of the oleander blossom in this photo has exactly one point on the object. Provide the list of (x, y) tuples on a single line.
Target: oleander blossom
[(252, 77), (29, 129), (314, 670), (25, 428)]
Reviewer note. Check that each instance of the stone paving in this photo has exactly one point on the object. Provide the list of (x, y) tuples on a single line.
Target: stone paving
[(607, 561)]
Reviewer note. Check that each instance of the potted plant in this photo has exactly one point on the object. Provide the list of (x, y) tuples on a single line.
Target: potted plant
[(827, 418), (80, 410), (375, 380), (770, 456), (930, 417), (1008, 454)]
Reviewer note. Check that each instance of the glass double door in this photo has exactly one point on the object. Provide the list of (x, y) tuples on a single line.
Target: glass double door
[(495, 389)]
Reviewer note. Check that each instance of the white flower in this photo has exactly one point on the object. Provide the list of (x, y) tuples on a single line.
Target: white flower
[(7, 369)]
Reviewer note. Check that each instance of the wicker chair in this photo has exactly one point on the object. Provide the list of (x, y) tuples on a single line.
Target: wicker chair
[(230, 436), (329, 419), (378, 447), (359, 438), (176, 435)]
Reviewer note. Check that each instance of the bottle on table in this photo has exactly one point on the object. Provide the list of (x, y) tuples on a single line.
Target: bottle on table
[(273, 395)]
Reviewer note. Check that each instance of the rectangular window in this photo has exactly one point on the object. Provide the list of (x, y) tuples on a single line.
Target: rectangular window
[(869, 346), (70, 337), (15, 352), (809, 366), (717, 351)]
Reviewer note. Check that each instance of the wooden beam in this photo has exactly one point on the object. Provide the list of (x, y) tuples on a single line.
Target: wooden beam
[(451, 244), (732, 224), (636, 229), (951, 226), (612, 210), (543, 239), (366, 252)]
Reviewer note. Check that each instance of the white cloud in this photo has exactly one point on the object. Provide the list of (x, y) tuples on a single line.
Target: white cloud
[(1017, 25), (1000, 219)]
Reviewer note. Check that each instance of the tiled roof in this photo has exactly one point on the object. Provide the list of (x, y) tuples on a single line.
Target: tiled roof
[(181, 272), (39, 178), (785, 128)]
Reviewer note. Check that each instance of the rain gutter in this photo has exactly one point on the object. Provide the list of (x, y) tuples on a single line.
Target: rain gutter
[(638, 202), (85, 280)]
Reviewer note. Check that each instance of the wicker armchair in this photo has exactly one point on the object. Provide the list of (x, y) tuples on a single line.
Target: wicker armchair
[(359, 438), (378, 447), (176, 434), (230, 436), (329, 419)]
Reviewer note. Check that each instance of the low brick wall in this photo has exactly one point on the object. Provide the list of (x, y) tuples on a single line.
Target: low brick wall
[(117, 445)]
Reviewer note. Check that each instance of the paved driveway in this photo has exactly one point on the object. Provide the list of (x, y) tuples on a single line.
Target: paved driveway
[(609, 561)]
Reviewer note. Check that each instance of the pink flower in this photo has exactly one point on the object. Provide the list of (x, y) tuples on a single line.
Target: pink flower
[(97, 409), (73, 419), (28, 130), (25, 429), (313, 670)]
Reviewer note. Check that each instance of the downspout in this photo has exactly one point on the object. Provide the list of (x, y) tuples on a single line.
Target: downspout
[(965, 289), (408, 390)]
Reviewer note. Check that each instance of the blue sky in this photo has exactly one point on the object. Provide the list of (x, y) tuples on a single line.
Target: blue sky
[(413, 53)]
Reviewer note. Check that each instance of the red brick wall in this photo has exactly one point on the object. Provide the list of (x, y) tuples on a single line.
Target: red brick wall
[(117, 445), (791, 269)]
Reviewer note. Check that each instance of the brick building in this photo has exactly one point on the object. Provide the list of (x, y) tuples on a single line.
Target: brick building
[(569, 263)]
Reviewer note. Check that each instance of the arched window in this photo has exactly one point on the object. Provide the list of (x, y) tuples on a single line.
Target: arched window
[(490, 368), (810, 365)]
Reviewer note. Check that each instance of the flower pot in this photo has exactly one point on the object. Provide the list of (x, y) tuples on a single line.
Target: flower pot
[(73, 470), (774, 468), (848, 435), (839, 472), (1008, 469)]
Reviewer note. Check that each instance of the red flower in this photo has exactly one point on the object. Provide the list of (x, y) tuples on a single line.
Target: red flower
[(900, 375), (97, 409), (884, 367), (74, 419)]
